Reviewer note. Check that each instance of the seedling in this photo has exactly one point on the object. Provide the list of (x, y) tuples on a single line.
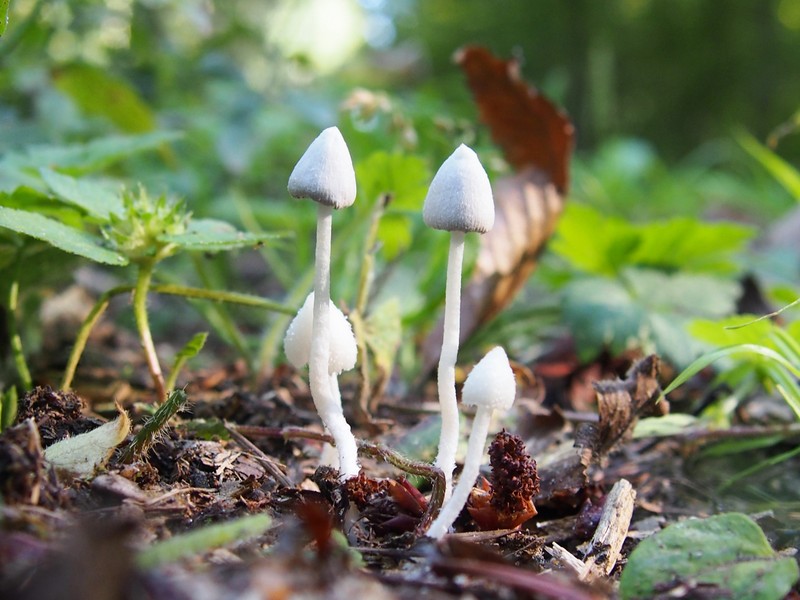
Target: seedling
[(459, 200), (325, 174), (490, 386)]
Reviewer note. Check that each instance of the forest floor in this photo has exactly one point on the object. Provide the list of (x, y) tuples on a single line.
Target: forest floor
[(236, 450)]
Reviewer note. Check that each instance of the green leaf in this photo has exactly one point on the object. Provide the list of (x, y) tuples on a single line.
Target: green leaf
[(667, 425), (191, 349), (210, 235), (406, 179), (92, 156), (644, 307), (4, 4), (203, 539), (98, 199), (603, 245), (58, 235), (782, 171), (383, 331), (725, 556), (751, 350), (97, 92)]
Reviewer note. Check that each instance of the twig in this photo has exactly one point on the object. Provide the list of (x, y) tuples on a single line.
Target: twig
[(611, 532), (269, 464)]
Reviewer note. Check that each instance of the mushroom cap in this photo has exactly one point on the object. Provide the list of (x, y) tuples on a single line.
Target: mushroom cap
[(460, 195), (491, 382), (325, 172), (297, 342)]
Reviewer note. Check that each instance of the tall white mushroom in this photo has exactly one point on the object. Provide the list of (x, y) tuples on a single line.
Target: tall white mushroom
[(343, 353), (459, 200), (490, 386), (325, 174)]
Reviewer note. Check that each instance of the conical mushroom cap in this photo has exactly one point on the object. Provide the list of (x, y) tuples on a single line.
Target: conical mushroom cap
[(460, 195), (491, 382), (325, 172), (297, 342)]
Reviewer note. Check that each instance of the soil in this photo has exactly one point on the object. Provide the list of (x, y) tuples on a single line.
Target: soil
[(240, 449)]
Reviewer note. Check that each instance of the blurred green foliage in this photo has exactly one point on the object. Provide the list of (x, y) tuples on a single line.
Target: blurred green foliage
[(655, 88)]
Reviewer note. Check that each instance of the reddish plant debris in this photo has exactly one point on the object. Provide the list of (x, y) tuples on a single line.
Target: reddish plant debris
[(507, 501)]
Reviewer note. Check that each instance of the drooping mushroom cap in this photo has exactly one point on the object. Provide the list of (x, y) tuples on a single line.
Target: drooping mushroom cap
[(460, 195), (491, 382), (297, 342), (325, 172)]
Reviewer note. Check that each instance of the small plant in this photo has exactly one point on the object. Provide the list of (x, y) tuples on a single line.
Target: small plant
[(55, 212)]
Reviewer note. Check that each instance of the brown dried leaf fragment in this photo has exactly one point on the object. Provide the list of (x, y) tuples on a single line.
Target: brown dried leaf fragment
[(620, 404)]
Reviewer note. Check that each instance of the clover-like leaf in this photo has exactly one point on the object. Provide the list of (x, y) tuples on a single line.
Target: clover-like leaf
[(724, 556)]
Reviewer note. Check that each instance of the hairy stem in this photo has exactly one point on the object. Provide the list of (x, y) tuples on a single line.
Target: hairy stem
[(143, 280)]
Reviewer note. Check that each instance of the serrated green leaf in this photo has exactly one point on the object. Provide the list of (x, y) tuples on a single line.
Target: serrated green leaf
[(58, 235), (383, 331), (210, 235), (602, 245), (725, 556), (98, 199), (97, 92)]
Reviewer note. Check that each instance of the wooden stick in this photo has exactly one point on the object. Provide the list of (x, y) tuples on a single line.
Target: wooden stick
[(604, 547)]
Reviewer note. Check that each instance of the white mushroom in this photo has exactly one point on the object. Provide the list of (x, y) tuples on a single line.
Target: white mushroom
[(325, 174), (490, 386), (459, 200)]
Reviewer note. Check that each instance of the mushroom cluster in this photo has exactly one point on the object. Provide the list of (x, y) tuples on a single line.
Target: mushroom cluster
[(459, 201)]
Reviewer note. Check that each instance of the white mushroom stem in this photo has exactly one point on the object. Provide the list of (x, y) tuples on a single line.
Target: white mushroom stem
[(472, 464), (448, 440), (329, 410)]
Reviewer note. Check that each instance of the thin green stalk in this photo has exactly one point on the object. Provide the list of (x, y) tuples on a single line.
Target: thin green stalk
[(223, 318), (23, 372), (223, 296), (143, 279), (86, 329), (16, 33)]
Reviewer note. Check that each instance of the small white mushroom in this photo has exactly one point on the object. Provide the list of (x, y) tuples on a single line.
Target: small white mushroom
[(325, 174), (490, 386), (459, 200)]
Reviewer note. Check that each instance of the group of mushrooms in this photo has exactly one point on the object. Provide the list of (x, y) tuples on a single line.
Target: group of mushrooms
[(459, 200)]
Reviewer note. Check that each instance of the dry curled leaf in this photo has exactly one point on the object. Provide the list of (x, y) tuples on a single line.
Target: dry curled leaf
[(620, 403), (536, 139)]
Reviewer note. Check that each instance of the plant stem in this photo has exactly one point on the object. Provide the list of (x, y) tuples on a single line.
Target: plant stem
[(23, 372), (329, 410), (223, 296), (143, 280), (446, 376), (86, 329), (154, 426)]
